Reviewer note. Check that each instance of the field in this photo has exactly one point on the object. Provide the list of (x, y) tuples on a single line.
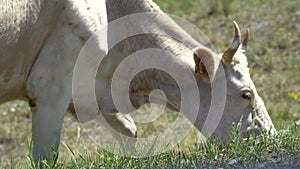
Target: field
[(274, 60)]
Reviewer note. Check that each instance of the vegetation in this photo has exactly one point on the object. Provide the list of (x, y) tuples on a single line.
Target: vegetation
[(273, 55)]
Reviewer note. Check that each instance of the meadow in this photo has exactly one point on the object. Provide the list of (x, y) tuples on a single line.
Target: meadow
[(274, 60)]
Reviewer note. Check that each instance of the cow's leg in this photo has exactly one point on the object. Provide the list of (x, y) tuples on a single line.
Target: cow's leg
[(124, 125), (49, 89), (46, 128), (48, 112)]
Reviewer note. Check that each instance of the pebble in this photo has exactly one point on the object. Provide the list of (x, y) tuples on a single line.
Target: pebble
[(231, 162)]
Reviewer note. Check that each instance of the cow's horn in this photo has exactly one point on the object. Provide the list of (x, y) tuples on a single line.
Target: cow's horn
[(229, 53), (246, 39)]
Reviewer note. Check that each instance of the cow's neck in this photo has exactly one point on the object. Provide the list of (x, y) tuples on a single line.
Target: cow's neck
[(151, 79), (161, 23), (145, 82)]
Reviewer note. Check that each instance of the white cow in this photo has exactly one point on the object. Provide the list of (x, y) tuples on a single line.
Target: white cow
[(40, 41)]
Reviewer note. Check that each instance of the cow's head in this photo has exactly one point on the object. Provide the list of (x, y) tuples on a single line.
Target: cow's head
[(243, 104)]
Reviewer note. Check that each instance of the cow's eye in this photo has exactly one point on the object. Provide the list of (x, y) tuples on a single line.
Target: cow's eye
[(247, 95)]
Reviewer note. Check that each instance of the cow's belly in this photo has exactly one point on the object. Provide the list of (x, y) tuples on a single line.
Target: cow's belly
[(20, 41), (11, 87), (16, 61), (15, 64)]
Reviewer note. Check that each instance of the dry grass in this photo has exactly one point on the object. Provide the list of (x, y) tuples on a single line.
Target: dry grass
[(274, 59)]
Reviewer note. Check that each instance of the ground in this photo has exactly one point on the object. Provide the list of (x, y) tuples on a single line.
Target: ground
[(273, 56)]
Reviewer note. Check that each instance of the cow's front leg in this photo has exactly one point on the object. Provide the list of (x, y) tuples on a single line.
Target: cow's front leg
[(48, 110), (49, 89), (124, 126)]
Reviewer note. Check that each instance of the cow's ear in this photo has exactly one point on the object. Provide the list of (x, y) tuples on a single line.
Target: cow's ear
[(204, 63)]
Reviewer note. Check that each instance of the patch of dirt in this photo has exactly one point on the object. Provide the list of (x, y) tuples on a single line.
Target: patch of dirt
[(284, 161)]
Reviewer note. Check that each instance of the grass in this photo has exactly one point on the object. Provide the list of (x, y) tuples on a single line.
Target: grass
[(273, 55), (254, 152)]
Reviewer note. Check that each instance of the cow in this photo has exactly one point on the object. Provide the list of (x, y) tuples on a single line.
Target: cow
[(39, 44)]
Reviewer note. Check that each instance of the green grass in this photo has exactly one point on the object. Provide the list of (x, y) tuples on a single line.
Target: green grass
[(260, 151), (273, 55)]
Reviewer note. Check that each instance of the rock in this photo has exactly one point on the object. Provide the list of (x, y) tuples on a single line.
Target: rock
[(231, 162)]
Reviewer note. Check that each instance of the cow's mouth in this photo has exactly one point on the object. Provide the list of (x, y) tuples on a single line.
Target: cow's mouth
[(254, 130)]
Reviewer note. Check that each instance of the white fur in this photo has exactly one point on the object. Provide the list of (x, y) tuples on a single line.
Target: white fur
[(40, 42), (38, 52)]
